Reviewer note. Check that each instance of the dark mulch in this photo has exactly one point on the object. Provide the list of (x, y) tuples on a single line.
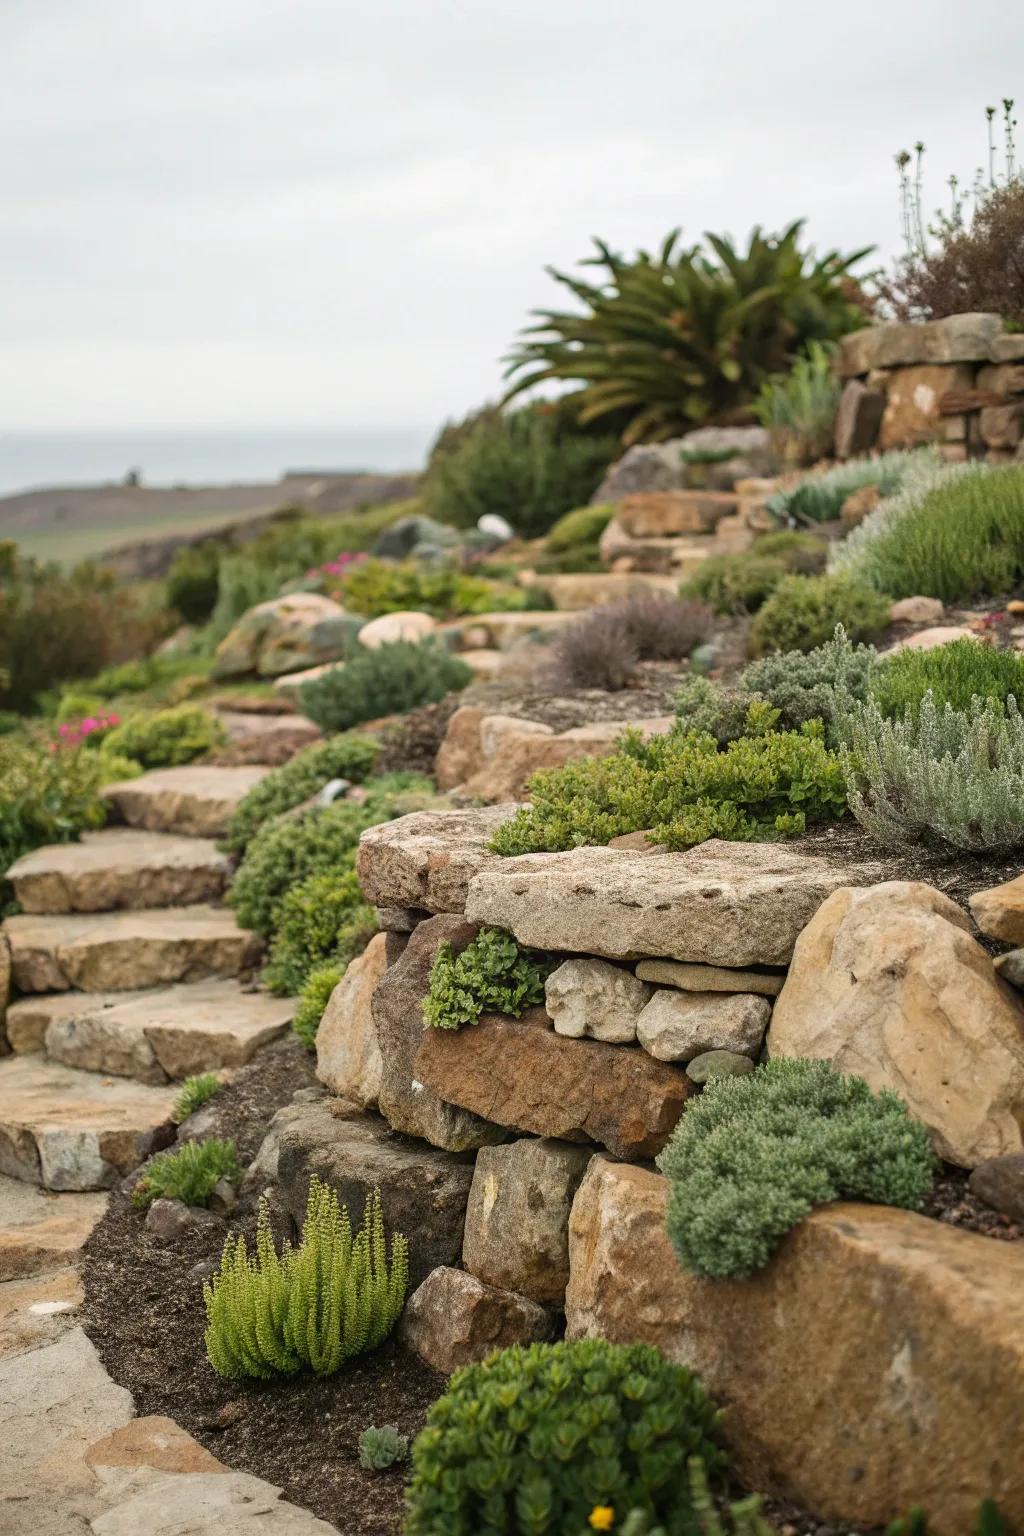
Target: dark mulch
[(952, 1201), (144, 1312)]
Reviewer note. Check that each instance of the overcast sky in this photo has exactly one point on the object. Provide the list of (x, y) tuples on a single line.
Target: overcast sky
[(299, 213)]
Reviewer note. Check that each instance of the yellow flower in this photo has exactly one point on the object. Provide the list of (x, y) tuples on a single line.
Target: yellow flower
[(602, 1517)]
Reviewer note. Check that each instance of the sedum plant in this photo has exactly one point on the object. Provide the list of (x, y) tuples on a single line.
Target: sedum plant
[(347, 756), (741, 1519), (537, 1441), (381, 1448), (752, 1156), (194, 1093), (491, 975), (334, 1296), (189, 1173), (952, 774)]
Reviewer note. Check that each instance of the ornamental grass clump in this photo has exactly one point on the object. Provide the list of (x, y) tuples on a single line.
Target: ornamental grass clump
[(955, 776), (752, 1156), (335, 1296), (491, 975), (190, 1173), (347, 756), (535, 1441)]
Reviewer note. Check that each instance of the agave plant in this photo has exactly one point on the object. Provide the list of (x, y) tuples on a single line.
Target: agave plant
[(688, 336)]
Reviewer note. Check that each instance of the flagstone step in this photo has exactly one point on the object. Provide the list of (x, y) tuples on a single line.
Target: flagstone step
[(71, 1130), (127, 951), (151, 1035), (39, 1230), (196, 801), (119, 868)]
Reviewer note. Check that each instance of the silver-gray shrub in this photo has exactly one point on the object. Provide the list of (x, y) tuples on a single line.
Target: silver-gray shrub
[(953, 775)]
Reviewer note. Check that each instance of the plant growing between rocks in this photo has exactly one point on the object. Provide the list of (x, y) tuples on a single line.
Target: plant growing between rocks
[(322, 921), (189, 1173), (335, 1296), (491, 975), (752, 1156), (165, 738), (313, 999), (348, 756), (194, 1093)]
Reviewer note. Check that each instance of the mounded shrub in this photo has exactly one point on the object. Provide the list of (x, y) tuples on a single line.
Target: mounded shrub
[(491, 975), (742, 583), (313, 999), (752, 1156), (603, 649), (165, 738), (953, 674), (388, 681), (803, 612), (286, 852), (348, 756), (375, 587), (194, 1093), (323, 920), (580, 529), (535, 1441), (45, 797)]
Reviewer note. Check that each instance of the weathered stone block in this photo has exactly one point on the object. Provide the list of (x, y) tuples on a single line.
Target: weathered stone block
[(348, 1058), (912, 407), (858, 419), (427, 859), (517, 1223), (453, 1319)]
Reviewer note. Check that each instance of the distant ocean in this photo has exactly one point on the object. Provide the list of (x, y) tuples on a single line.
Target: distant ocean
[(29, 460)]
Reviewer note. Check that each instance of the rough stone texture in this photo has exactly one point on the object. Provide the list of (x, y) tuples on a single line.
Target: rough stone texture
[(348, 1058), (517, 1222), (971, 338), (502, 631), (727, 904), (196, 801), (710, 978), (679, 555), (912, 407), (574, 590), (1003, 378), (660, 514), (524, 747), (460, 753), (30, 1017), (397, 1007), (999, 911), (858, 419), (1002, 425), (209, 1504), (427, 859), (711, 1064), (286, 634), (520, 1074), (37, 1311), (400, 625), (41, 1231), (119, 868), (677, 1026), (174, 1033), (888, 984), (916, 610), (71, 1130), (127, 951), (876, 1363), (591, 997), (928, 639), (155, 1442), (1000, 1183), (1011, 968), (5, 985), (269, 739), (453, 1319), (423, 1191)]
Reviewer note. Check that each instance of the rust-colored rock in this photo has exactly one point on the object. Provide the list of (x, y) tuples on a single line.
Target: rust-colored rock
[(876, 1363), (912, 407), (453, 1319), (518, 1073)]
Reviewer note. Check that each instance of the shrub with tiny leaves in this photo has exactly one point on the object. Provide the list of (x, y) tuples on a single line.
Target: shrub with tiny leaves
[(165, 738), (491, 975), (954, 674), (347, 756), (752, 1156), (194, 1093), (534, 1440), (190, 1173), (803, 612), (286, 852), (322, 920), (388, 681), (313, 999), (381, 1448)]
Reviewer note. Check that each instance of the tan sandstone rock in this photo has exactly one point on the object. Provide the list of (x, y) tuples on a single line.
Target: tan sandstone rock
[(195, 801), (916, 610), (876, 1363), (592, 997), (426, 859), (656, 514), (999, 911), (710, 978), (401, 625), (460, 753), (453, 1319), (41, 1231), (525, 747), (286, 634), (887, 983), (912, 407), (348, 1058), (517, 1221), (677, 1026), (119, 868)]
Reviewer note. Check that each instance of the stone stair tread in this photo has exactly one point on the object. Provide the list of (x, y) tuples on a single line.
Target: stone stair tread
[(72, 1130), (196, 800), (119, 868), (151, 1035), (126, 951), (40, 1230)]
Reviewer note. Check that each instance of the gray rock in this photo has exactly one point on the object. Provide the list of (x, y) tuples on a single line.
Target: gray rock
[(209, 1504), (168, 1220), (399, 541), (710, 978), (1000, 1183), (592, 997), (453, 1319), (496, 527), (223, 1198), (711, 1064), (677, 1026), (1011, 968), (517, 1222), (858, 419), (967, 338)]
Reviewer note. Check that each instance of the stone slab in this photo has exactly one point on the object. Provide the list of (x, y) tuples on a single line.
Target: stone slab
[(127, 951), (427, 859), (39, 1230), (119, 868), (38, 1310), (710, 978), (195, 801)]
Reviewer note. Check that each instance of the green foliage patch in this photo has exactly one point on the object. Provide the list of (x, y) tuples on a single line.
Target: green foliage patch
[(165, 738), (799, 407), (194, 1093), (375, 587), (190, 1172), (286, 852), (752, 1156), (382, 1447), (323, 920), (743, 583), (347, 756), (491, 975), (580, 529), (313, 999), (820, 498), (388, 681), (803, 611), (46, 796), (953, 674)]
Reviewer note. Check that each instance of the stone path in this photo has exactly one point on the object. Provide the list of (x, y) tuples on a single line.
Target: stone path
[(130, 977)]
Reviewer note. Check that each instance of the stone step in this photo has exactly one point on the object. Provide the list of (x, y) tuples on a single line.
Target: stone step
[(70, 1130), (127, 951), (39, 1230), (154, 1035), (196, 801), (119, 868)]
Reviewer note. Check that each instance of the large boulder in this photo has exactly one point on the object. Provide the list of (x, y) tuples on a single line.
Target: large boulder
[(400, 540), (453, 1319), (286, 634), (512, 755), (726, 904), (913, 405), (423, 1191), (517, 1222), (661, 514), (348, 1058), (520, 1074), (969, 338), (405, 1100), (876, 1363), (663, 466), (426, 859), (888, 983)]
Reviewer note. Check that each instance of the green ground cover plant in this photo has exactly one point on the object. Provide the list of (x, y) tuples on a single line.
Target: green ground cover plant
[(313, 999), (190, 1172), (953, 674), (388, 681), (375, 587), (742, 583), (752, 1156), (350, 755), (46, 796), (803, 611), (952, 776), (491, 975), (321, 921), (580, 529), (682, 788), (165, 738), (194, 1093), (534, 1440), (336, 1295)]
